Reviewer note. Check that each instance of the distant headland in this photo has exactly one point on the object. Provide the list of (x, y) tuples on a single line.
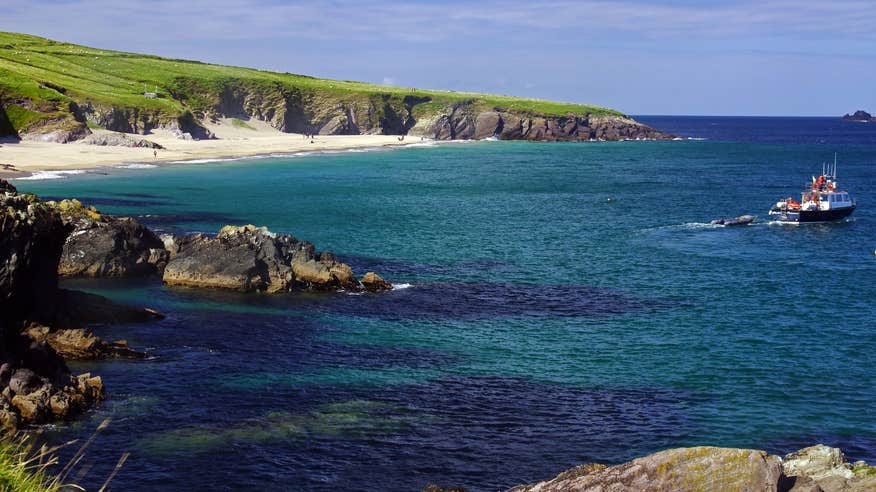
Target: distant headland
[(52, 91), (859, 115)]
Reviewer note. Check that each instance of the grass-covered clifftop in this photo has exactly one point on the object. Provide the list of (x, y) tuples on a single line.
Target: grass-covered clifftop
[(54, 90)]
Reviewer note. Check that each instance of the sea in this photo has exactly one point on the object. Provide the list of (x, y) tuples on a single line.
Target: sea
[(555, 304)]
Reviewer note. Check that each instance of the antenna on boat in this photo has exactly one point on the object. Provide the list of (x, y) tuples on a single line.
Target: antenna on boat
[(834, 165)]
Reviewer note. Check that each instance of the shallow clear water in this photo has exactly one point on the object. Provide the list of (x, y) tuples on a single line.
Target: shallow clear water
[(568, 303)]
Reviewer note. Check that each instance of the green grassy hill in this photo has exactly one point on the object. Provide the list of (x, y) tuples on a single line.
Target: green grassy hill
[(49, 86)]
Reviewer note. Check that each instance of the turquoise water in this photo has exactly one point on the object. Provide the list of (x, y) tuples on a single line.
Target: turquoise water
[(567, 303)]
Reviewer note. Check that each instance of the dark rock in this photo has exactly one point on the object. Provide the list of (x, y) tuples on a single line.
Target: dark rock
[(6, 187), (75, 308), (106, 246), (859, 115), (31, 239), (250, 258), (24, 381)]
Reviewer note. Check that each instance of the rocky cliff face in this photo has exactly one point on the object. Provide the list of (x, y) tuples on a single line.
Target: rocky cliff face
[(291, 109), (36, 384)]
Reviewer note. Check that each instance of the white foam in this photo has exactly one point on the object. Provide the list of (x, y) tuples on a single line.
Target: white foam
[(52, 174), (135, 165), (401, 286)]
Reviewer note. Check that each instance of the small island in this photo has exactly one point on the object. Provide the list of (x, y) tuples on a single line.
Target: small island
[(859, 115)]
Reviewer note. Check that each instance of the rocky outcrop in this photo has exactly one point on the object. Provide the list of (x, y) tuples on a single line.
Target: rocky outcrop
[(372, 282), (119, 140), (81, 344), (859, 115), (31, 238), (35, 384), (251, 259), (822, 468), (465, 123), (818, 468), (105, 246)]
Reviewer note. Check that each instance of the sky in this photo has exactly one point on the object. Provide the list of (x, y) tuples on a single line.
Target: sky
[(683, 57)]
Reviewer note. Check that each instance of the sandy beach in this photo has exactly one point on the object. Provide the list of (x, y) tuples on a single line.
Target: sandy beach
[(19, 159)]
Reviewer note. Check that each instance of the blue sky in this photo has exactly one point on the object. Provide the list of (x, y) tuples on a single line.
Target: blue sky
[(770, 57)]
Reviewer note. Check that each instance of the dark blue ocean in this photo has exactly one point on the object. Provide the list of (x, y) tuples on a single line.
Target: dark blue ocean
[(562, 303)]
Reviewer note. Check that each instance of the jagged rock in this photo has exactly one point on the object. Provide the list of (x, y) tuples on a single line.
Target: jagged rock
[(6, 187), (859, 115), (822, 468), (698, 468), (250, 258), (170, 245), (119, 140), (31, 239), (106, 246), (372, 282)]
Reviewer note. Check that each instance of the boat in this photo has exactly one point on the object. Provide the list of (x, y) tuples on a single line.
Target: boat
[(735, 221), (822, 201)]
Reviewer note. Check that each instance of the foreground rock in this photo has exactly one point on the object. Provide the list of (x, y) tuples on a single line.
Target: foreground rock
[(105, 246), (35, 384), (254, 259), (818, 468)]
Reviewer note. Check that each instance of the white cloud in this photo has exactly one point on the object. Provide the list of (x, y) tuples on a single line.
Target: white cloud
[(396, 20)]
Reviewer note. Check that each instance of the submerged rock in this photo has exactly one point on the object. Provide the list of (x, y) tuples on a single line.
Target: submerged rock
[(105, 246), (250, 258)]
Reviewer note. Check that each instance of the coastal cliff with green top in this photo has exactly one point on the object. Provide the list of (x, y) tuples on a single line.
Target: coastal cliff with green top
[(56, 91)]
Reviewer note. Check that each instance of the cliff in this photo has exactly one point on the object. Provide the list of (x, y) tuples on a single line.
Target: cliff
[(57, 91)]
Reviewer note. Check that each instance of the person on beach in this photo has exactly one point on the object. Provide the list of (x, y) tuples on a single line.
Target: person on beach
[(155, 154)]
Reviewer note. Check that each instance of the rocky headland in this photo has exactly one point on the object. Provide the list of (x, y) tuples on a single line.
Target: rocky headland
[(42, 325), (72, 95), (814, 469), (859, 115)]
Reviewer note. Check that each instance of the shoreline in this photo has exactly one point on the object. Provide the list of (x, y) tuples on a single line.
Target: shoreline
[(25, 159)]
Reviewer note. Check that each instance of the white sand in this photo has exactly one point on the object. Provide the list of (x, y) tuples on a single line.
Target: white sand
[(28, 157)]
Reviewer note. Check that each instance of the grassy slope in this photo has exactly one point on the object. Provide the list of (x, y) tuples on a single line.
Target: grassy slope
[(115, 78)]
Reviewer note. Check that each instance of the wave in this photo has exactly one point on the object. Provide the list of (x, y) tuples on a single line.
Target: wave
[(135, 165), (52, 174), (401, 286)]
